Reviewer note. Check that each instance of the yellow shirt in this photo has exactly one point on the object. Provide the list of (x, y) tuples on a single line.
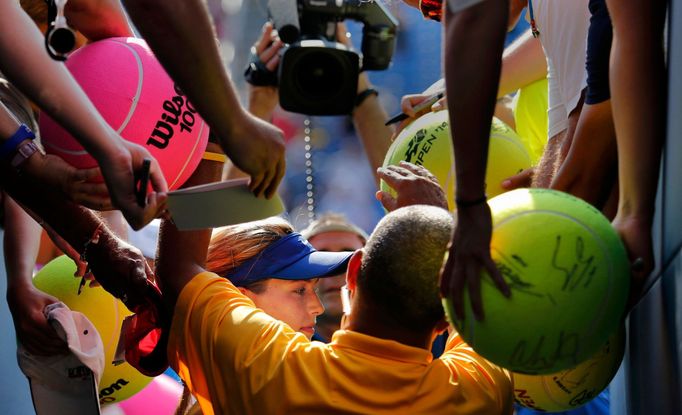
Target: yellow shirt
[(236, 359), (530, 117)]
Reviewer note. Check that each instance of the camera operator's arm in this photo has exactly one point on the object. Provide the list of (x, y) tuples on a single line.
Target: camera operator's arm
[(182, 37), (369, 116), (263, 99), (369, 119)]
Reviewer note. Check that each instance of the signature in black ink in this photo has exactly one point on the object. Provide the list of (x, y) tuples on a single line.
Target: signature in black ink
[(583, 397), (514, 275), (579, 268), (529, 357), (519, 260)]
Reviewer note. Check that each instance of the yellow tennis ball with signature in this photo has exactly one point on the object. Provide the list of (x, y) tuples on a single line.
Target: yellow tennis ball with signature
[(569, 278), (427, 142), (574, 387)]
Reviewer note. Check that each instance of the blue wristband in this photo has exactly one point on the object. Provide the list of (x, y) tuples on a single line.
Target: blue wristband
[(10, 146)]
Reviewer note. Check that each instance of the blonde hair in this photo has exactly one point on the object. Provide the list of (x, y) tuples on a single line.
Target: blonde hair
[(233, 245)]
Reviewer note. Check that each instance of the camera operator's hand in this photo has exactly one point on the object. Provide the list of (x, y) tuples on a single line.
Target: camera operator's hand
[(264, 98), (268, 46)]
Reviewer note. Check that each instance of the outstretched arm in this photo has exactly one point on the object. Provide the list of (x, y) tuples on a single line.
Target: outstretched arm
[(369, 118), (53, 89), (523, 62), (182, 254), (26, 303), (471, 78), (117, 265), (638, 81), (182, 37)]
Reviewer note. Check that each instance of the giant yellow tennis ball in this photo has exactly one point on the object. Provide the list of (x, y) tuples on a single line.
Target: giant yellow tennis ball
[(106, 313), (569, 278), (427, 142), (574, 387)]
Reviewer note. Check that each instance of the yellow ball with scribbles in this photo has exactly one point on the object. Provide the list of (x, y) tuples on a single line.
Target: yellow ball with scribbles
[(569, 278), (574, 387), (427, 142)]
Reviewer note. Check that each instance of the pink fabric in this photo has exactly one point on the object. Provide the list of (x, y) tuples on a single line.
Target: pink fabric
[(160, 397)]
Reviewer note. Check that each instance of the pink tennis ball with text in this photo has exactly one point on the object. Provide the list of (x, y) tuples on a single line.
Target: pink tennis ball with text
[(133, 93)]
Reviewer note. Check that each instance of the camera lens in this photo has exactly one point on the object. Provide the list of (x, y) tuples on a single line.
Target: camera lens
[(318, 78), (319, 75)]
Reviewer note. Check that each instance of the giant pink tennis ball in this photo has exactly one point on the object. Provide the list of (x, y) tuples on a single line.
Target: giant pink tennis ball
[(133, 93)]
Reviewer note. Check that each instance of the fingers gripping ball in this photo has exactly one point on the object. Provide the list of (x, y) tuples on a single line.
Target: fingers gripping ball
[(133, 93), (106, 313), (427, 142), (569, 277), (572, 388)]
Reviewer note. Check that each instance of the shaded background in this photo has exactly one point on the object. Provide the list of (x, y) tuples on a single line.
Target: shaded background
[(343, 181)]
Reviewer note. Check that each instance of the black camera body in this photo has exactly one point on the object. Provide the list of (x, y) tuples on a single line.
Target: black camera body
[(317, 75)]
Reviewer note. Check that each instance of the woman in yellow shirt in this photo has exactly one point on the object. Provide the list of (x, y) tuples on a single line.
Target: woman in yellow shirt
[(254, 256)]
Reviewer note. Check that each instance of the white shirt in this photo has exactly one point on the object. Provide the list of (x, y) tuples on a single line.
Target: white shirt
[(563, 26)]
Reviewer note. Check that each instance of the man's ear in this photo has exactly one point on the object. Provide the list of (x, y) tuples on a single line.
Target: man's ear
[(354, 269), (441, 326)]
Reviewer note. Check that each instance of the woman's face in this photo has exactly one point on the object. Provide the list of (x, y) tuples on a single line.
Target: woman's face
[(293, 302)]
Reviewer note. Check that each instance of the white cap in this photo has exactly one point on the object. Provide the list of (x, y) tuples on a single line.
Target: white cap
[(66, 384)]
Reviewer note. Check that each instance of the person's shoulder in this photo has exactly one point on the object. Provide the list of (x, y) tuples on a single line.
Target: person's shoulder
[(204, 286), (202, 280)]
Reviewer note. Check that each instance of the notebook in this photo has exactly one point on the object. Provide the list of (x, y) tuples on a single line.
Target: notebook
[(219, 204)]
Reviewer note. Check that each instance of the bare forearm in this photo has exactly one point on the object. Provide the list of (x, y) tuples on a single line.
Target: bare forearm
[(21, 244), (181, 34), (182, 254), (369, 119), (74, 223), (471, 88), (523, 63), (48, 203), (504, 110), (49, 84), (638, 89)]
